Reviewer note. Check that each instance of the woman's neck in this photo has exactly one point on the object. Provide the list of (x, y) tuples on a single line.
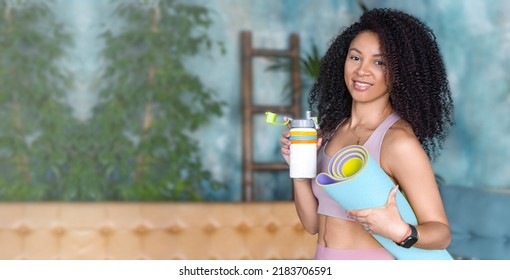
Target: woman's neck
[(369, 115)]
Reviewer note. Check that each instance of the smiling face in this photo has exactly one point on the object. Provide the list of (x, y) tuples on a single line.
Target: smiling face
[(364, 69)]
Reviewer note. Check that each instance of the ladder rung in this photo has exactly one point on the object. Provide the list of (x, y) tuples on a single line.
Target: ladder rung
[(270, 166), (272, 52)]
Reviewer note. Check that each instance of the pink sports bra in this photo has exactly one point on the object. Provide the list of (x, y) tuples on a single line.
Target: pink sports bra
[(327, 206)]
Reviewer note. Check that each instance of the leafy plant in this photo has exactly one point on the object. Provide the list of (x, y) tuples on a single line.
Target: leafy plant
[(137, 145), (150, 103), (312, 63), (32, 108), (309, 66)]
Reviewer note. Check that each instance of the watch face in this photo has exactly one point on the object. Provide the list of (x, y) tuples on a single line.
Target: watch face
[(410, 241)]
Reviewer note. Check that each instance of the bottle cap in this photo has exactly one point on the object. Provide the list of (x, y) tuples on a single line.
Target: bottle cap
[(271, 118), (303, 123), (309, 122)]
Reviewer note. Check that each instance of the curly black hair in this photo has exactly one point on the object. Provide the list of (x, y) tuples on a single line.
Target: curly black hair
[(416, 75)]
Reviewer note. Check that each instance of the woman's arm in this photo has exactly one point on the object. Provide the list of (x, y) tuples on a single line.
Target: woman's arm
[(304, 199), (306, 205), (405, 161)]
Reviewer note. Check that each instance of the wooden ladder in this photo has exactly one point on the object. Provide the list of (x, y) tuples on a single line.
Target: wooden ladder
[(248, 53)]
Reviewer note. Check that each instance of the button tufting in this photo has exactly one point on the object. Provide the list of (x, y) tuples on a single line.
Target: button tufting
[(76, 237), (272, 227), (106, 230), (23, 229), (58, 230), (243, 227), (210, 228), (299, 227), (142, 229), (174, 229)]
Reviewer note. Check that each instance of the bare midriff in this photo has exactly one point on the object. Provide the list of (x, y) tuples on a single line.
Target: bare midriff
[(344, 234)]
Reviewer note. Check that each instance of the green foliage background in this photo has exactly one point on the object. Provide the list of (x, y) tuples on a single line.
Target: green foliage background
[(137, 145)]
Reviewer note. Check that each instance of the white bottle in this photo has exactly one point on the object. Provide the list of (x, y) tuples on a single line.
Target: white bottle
[(303, 148)]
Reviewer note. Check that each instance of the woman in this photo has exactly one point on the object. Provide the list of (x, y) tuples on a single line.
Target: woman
[(383, 85)]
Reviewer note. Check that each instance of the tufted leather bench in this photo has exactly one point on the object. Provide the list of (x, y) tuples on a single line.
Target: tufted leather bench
[(479, 221), (153, 231)]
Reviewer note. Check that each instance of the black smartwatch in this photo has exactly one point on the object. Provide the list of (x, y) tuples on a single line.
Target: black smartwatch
[(409, 241)]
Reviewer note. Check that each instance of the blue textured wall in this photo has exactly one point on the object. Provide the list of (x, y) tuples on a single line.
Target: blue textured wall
[(474, 37)]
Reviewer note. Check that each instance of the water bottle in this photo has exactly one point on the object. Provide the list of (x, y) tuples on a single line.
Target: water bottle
[(303, 147)]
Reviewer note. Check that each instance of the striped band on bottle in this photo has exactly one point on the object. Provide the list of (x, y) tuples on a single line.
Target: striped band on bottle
[(303, 137)]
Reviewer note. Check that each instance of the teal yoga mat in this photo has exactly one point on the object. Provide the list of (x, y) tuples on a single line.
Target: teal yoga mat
[(356, 181)]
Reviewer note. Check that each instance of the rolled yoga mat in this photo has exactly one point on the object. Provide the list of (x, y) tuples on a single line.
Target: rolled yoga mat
[(356, 181)]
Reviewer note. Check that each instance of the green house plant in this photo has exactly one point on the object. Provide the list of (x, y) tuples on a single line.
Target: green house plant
[(140, 143), (33, 110), (150, 103)]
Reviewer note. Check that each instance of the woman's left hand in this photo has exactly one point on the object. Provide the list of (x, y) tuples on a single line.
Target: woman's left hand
[(385, 221)]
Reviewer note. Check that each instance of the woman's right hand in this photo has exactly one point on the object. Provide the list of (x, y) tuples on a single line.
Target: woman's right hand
[(286, 146), (284, 140)]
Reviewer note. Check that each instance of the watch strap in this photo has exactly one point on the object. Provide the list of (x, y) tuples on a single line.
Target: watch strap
[(410, 240)]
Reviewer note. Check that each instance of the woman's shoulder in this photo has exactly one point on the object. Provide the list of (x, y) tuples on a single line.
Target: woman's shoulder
[(401, 148), (401, 130), (400, 140)]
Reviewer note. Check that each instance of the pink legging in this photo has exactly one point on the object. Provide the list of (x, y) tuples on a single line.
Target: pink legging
[(325, 253)]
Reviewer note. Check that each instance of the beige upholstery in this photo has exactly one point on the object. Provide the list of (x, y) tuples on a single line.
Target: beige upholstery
[(153, 231)]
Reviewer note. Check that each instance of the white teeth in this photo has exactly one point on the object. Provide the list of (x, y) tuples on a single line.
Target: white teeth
[(362, 84)]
